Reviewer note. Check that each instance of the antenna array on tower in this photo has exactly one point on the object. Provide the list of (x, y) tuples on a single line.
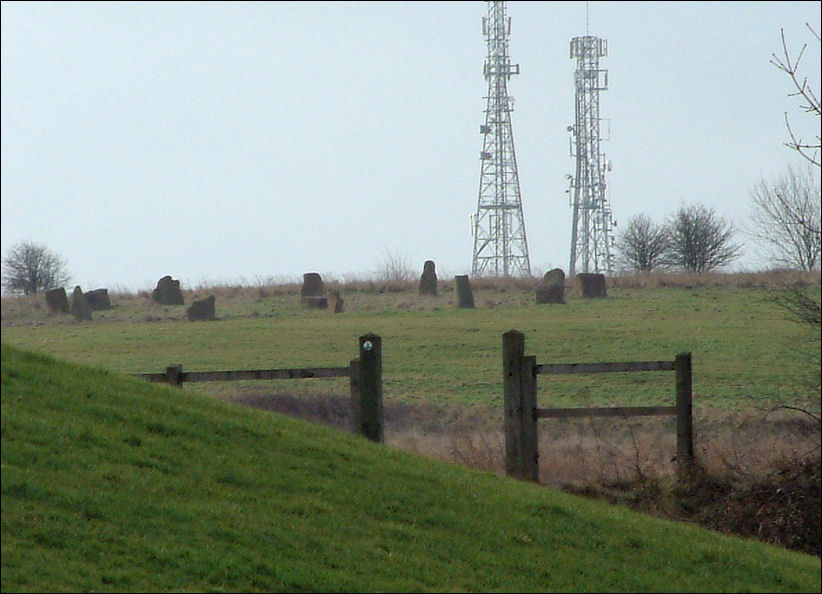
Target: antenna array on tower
[(500, 246), (591, 226)]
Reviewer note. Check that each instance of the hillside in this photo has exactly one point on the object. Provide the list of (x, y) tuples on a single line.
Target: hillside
[(113, 484)]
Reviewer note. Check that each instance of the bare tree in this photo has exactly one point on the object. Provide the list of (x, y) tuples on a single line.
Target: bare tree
[(786, 216), (795, 299), (642, 244), (809, 150), (699, 241), (31, 268), (395, 268)]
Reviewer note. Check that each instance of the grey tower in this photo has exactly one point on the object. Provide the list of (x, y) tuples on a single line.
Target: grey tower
[(591, 227), (500, 247)]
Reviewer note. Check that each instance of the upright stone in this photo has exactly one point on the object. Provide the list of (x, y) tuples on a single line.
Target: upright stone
[(202, 309), (552, 288), (554, 277), (428, 279), (335, 301), (57, 301), (465, 298), (98, 299), (79, 306), (168, 292), (312, 294), (591, 284)]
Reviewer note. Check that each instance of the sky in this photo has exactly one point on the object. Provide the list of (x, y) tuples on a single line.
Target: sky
[(250, 142)]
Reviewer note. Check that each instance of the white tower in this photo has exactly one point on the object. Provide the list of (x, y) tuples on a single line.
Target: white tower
[(591, 228), (500, 247)]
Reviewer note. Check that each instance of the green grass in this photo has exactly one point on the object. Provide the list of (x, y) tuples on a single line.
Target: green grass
[(113, 484), (745, 351)]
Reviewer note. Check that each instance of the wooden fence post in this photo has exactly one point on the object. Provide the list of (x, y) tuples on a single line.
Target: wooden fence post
[(354, 384), (520, 403), (366, 389), (174, 375), (684, 413)]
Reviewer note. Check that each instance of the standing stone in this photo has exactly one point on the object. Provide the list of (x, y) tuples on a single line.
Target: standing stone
[(202, 310), (591, 284), (428, 279), (79, 306), (98, 299), (465, 298), (552, 288), (168, 292), (554, 277), (312, 294), (57, 301), (335, 301)]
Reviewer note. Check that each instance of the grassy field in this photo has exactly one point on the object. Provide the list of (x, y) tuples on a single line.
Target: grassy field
[(746, 352), (113, 484), (443, 386)]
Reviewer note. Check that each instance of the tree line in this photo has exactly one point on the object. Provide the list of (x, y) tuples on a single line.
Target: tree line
[(785, 219)]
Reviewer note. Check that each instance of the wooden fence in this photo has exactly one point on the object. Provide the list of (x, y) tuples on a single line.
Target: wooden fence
[(520, 395), (521, 412), (364, 373)]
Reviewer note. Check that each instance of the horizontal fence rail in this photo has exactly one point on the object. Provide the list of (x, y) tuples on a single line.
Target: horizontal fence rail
[(557, 368), (249, 374), (521, 412), (364, 374), (609, 411)]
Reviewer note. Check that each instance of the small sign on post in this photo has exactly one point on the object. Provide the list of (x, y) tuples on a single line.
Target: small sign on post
[(366, 389)]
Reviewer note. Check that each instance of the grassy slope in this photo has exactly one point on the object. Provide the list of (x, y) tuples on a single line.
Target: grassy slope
[(113, 484), (744, 348)]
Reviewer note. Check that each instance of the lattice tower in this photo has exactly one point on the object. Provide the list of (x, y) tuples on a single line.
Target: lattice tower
[(591, 239), (500, 246)]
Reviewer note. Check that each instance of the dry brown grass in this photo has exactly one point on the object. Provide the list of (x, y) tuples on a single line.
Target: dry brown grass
[(757, 472), (768, 279), (371, 293)]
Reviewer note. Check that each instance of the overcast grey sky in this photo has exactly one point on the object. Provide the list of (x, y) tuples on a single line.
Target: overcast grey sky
[(233, 142)]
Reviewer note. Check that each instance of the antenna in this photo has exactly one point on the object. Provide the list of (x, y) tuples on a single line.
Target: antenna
[(591, 227), (500, 247)]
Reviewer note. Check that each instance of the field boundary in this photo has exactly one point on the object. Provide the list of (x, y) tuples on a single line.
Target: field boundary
[(364, 374), (520, 373)]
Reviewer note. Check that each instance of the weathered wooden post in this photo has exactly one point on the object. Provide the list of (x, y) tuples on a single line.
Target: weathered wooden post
[(366, 389), (684, 413), (520, 395), (354, 384), (174, 375)]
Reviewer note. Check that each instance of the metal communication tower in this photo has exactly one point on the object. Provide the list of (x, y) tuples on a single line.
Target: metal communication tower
[(500, 248), (591, 228)]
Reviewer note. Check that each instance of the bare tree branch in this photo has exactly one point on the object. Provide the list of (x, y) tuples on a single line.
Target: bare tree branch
[(816, 418), (790, 66)]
